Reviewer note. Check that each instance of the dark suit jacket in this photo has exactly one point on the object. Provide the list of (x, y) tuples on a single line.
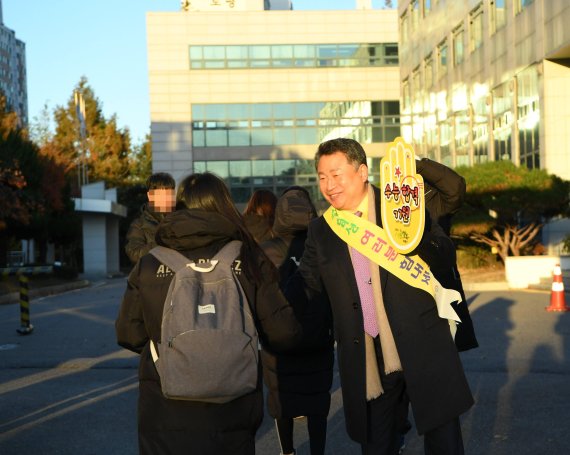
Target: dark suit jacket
[(436, 383)]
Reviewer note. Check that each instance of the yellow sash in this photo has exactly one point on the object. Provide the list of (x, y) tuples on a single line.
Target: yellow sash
[(371, 240)]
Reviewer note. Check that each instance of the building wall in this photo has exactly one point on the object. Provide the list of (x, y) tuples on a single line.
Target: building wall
[(174, 88), (556, 118)]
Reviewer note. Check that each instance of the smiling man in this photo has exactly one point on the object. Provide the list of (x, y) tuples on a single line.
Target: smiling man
[(393, 348)]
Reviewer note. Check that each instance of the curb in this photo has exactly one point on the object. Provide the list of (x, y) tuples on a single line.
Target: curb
[(486, 286), (504, 286), (14, 297)]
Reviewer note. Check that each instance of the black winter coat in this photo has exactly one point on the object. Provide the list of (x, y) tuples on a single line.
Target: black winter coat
[(140, 237), (299, 382), (435, 381), (181, 427), (444, 195)]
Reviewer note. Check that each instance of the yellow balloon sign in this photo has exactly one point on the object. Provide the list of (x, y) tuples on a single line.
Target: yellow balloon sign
[(402, 189)]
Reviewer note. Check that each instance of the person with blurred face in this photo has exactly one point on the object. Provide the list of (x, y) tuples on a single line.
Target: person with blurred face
[(161, 200)]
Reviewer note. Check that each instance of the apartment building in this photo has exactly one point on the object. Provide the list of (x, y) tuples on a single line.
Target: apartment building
[(13, 79)]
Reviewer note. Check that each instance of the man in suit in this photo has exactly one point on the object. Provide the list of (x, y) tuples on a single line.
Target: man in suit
[(411, 358)]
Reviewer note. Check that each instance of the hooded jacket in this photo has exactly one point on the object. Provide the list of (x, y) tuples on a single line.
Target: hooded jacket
[(140, 237), (175, 426), (298, 382)]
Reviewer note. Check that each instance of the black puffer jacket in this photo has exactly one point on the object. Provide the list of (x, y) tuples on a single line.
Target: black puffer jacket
[(140, 237), (444, 195), (177, 427), (298, 382)]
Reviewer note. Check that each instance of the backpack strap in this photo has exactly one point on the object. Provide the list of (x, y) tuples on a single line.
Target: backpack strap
[(227, 255), (169, 257), (153, 352), (174, 261), (229, 252)]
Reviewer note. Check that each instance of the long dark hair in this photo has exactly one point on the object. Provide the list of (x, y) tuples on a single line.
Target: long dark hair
[(262, 202), (207, 192)]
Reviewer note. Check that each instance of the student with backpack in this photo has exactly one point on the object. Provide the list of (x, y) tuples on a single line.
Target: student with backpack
[(299, 382), (191, 318)]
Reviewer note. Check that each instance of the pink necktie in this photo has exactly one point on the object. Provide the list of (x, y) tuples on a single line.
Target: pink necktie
[(361, 266)]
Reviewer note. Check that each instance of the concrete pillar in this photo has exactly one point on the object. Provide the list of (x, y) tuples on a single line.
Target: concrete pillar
[(100, 215)]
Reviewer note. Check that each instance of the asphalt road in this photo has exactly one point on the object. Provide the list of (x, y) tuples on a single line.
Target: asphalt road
[(67, 388)]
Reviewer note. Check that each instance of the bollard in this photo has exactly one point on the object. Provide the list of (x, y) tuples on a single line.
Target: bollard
[(25, 326)]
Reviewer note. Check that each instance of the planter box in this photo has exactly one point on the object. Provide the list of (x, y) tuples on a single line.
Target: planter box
[(521, 271)]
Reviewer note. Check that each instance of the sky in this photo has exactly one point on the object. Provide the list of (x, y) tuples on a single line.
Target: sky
[(103, 40)]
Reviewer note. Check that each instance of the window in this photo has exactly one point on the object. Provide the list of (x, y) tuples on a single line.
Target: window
[(476, 28), (502, 121), (263, 124), (528, 118), (391, 54), (404, 24), (415, 14), (442, 59), (405, 96), (497, 15), (428, 72), (458, 36), (293, 55), (480, 130), (416, 81), (520, 5), (426, 7), (461, 130), (445, 129), (416, 91)]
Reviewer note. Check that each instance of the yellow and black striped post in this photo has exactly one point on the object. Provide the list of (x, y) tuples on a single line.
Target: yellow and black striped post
[(25, 326), (23, 274)]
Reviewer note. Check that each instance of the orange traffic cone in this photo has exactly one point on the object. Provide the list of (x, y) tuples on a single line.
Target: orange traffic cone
[(557, 301)]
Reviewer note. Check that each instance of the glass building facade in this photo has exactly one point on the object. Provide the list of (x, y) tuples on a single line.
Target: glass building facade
[(285, 124), (245, 176), (229, 125), (252, 102), (293, 56)]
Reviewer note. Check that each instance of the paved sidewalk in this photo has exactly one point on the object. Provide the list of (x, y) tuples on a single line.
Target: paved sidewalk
[(69, 389), (519, 377)]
